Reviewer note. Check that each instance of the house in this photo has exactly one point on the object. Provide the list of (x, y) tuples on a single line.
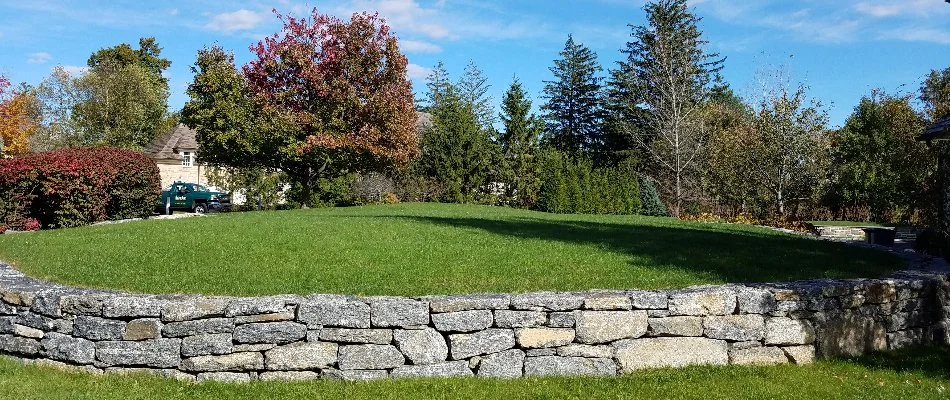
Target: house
[(175, 154)]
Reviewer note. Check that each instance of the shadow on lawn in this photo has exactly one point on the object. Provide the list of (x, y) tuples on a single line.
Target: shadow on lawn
[(734, 256), (933, 361)]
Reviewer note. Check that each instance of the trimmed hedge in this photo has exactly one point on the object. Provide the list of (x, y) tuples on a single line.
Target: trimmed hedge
[(574, 186), (74, 187)]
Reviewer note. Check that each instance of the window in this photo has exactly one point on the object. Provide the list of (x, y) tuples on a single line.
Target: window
[(187, 158)]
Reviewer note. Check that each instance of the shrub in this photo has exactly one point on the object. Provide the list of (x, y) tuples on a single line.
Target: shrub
[(73, 187), (574, 185), (650, 203)]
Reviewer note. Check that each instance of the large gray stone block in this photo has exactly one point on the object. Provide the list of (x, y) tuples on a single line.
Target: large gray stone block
[(19, 345), (270, 332), (454, 303), (389, 312), (648, 300), (442, 369), (850, 335), (227, 362), (355, 375), (67, 348), (346, 335), (505, 364), (334, 311), (755, 300), (463, 321), (585, 350), (533, 338), (706, 301), (370, 356), (83, 304), (95, 328), (761, 355), (194, 308), (143, 329), (607, 301), (262, 305), (676, 326), (738, 328), (209, 344), (465, 345), (664, 352), (159, 353), (301, 356), (787, 331), (132, 307), (226, 377), (566, 366), (607, 326), (521, 319), (800, 354), (547, 301), (421, 346), (288, 376), (198, 327)]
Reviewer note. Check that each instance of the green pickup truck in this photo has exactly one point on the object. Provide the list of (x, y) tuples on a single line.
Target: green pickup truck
[(192, 197)]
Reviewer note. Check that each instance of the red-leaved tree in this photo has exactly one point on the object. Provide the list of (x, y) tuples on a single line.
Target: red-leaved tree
[(329, 97)]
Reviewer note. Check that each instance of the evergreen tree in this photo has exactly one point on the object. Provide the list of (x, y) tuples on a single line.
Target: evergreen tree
[(573, 101), (473, 88), (519, 147), (668, 72)]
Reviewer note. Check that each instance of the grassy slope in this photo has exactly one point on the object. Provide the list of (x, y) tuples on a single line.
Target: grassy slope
[(415, 249), (910, 374)]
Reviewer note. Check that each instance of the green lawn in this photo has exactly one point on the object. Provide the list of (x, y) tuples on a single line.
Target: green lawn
[(416, 249), (922, 373)]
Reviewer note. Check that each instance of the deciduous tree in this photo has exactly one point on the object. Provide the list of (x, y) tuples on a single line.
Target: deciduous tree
[(935, 93)]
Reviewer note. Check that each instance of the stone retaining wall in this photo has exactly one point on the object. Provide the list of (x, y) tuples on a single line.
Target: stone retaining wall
[(292, 337), (904, 233)]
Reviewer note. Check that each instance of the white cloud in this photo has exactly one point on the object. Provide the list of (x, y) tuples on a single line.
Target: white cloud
[(39, 58), (75, 70), (415, 71), (416, 46), (881, 9), (403, 16), (929, 35), (235, 21)]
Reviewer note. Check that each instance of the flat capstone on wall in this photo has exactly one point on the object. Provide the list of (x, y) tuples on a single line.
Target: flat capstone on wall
[(290, 337)]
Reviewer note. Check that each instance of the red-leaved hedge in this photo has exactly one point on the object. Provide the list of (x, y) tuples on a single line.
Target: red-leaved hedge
[(73, 187)]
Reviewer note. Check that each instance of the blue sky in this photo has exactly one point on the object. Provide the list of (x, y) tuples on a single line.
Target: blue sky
[(841, 49)]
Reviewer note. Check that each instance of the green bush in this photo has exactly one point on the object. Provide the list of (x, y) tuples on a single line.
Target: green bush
[(574, 185)]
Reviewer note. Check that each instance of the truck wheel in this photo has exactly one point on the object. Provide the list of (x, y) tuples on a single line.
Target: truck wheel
[(200, 208)]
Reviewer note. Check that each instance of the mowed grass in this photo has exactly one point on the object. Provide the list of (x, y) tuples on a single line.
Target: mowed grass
[(418, 249), (921, 373)]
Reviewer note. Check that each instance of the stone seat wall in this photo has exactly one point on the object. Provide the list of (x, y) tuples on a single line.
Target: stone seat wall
[(292, 337)]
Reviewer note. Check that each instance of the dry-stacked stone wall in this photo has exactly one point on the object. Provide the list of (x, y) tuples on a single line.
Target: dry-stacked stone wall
[(292, 337)]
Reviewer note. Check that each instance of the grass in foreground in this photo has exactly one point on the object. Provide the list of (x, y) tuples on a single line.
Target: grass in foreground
[(417, 249), (922, 373)]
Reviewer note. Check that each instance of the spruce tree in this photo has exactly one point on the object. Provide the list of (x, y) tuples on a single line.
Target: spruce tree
[(573, 101), (519, 147)]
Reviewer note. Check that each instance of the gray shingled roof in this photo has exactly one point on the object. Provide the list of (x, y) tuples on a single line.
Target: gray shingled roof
[(167, 146), (940, 130)]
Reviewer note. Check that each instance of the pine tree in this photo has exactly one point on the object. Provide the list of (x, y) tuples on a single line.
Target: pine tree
[(573, 101), (519, 147), (668, 72), (473, 88)]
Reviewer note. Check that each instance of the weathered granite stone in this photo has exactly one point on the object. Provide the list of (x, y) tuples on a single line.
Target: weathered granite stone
[(207, 344), (568, 366), (646, 300), (131, 307), (850, 335), (227, 377), (301, 356), (44, 323), (355, 375), (463, 321), (540, 352), (709, 301), (763, 355), (557, 320), (607, 301), (285, 315), (547, 301), (194, 308), (345, 335), (6, 324), (261, 305), (532, 338), (734, 327), (142, 329), (160, 353), (370, 356), (744, 345), (82, 304), (334, 311), (662, 352), (289, 376), (584, 350), (506, 364), (676, 326), (96, 328), (442, 369), (786, 295), (67, 348), (465, 345), (606, 326), (658, 313), (421, 346), (521, 319), (198, 327), (389, 312), (7, 309), (47, 303), (878, 292), (787, 331), (19, 345), (905, 320), (270, 332), (444, 304), (27, 332), (227, 362), (755, 300), (242, 348), (910, 337), (800, 354)]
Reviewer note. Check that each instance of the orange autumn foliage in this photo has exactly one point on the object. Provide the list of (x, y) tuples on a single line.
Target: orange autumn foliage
[(18, 122)]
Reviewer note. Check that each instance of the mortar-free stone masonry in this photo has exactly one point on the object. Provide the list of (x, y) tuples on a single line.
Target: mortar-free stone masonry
[(599, 332)]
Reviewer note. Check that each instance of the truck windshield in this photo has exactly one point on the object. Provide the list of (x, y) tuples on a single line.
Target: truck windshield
[(199, 188)]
